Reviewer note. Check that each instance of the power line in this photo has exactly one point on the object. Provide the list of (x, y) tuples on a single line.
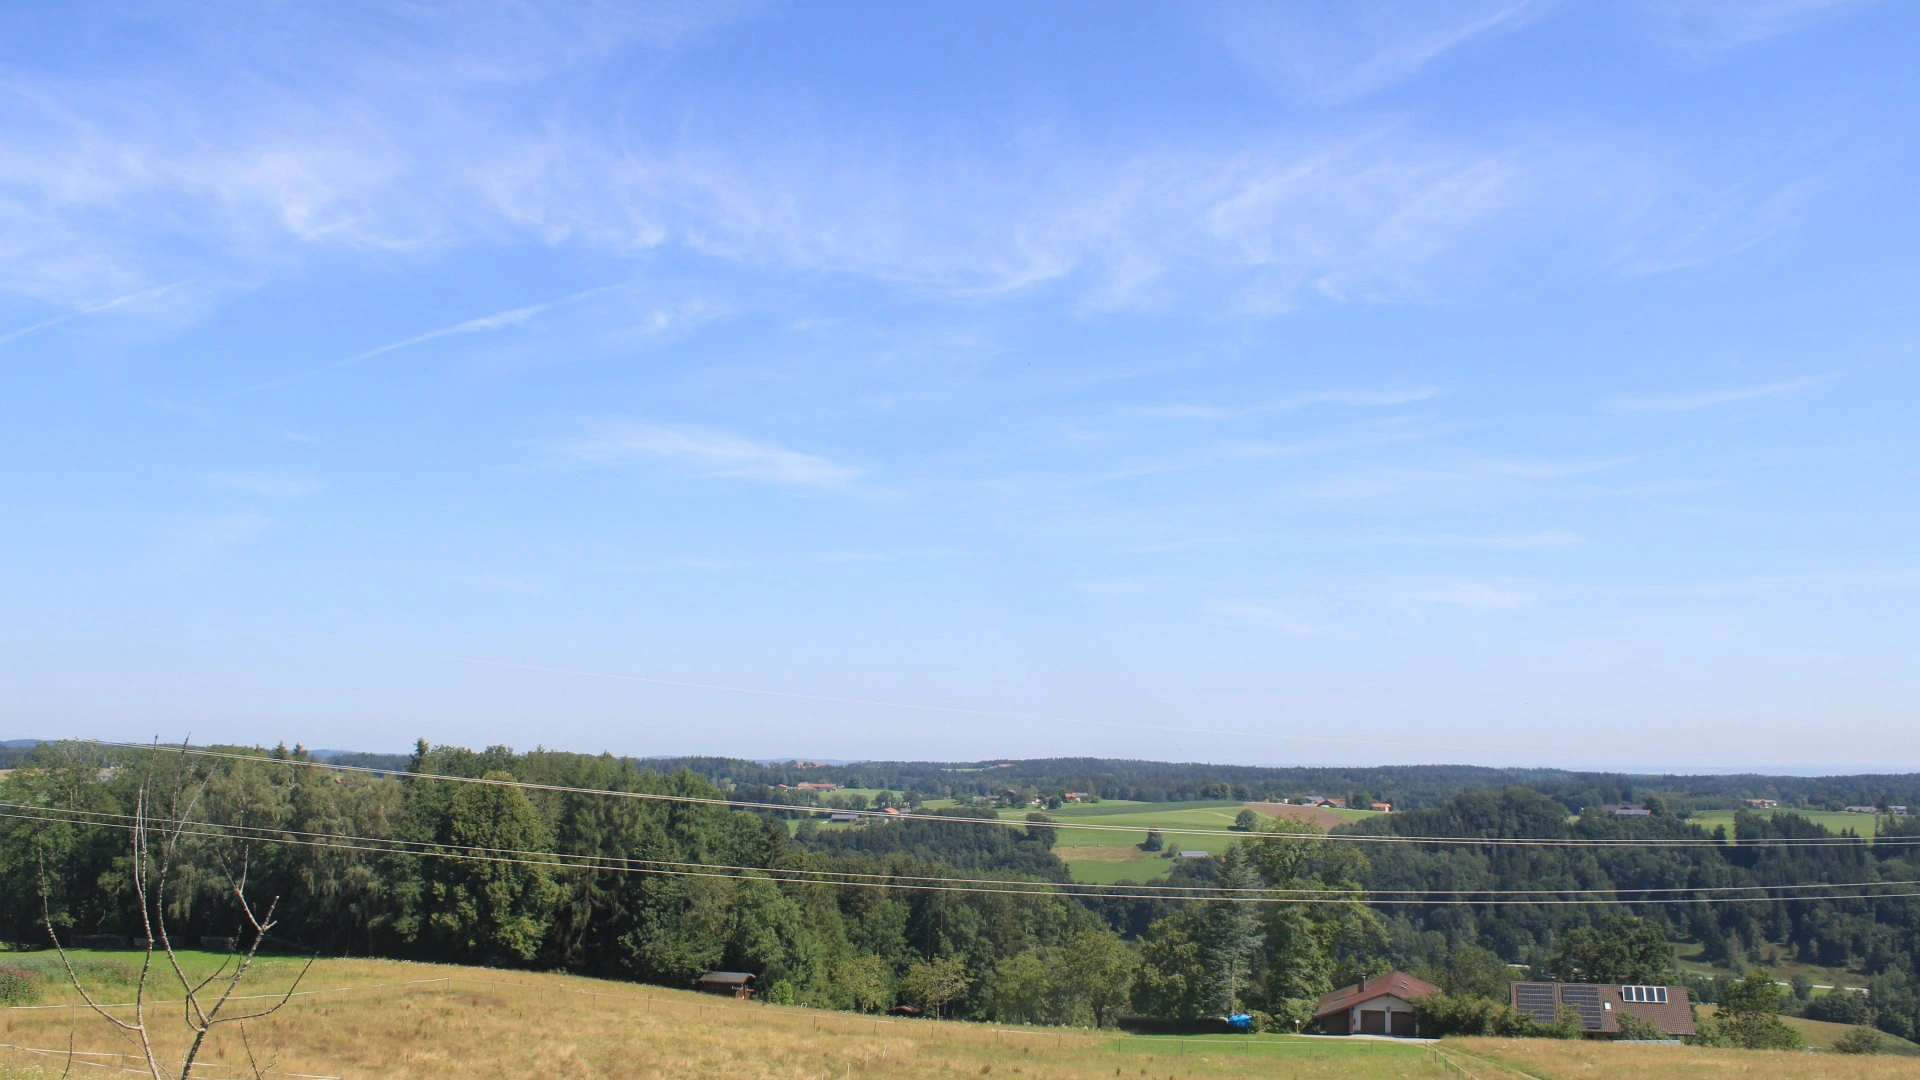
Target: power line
[(617, 861), (743, 804), (608, 862), (989, 885)]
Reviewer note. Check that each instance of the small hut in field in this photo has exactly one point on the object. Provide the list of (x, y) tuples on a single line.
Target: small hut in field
[(733, 984)]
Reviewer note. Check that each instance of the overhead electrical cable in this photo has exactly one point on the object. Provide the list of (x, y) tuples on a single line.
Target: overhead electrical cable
[(608, 862), (1002, 886)]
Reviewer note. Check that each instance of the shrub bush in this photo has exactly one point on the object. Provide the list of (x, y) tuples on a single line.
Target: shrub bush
[(1840, 1007), (18, 986), (1858, 1040)]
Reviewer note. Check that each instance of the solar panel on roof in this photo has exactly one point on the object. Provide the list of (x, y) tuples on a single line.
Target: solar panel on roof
[(1587, 1000), (1535, 1000)]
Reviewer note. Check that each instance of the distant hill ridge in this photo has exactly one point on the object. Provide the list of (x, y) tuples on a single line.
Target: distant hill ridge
[(1407, 787)]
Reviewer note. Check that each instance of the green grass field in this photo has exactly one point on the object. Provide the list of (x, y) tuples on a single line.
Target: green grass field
[(1109, 853), (1108, 850), (1835, 821)]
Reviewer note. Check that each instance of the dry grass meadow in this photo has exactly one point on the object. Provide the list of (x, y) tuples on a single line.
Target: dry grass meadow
[(383, 1018), (1549, 1059), (374, 1018)]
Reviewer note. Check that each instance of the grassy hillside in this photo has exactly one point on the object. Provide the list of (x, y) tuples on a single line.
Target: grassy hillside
[(1551, 1059), (1820, 1035), (363, 1018)]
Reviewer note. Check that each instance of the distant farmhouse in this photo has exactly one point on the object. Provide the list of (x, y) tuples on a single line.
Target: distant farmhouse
[(1863, 809), (1076, 796), (1195, 855), (1381, 1005), (1322, 800), (844, 817), (1383, 807), (1764, 804), (1625, 810), (1896, 809), (1601, 1005)]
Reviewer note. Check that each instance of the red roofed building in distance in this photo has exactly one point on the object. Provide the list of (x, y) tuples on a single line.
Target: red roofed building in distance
[(1380, 1005)]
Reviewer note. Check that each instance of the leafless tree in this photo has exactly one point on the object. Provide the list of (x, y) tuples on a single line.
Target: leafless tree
[(157, 844)]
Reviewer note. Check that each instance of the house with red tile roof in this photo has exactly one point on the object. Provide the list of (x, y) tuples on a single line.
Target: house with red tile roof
[(1378, 1005)]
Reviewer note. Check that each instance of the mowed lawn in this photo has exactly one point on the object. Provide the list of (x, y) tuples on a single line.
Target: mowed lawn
[(1835, 821), (383, 1018)]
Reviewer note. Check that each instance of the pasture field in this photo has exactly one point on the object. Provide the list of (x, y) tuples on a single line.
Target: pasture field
[(1835, 821), (1554, 1059), (1109, 849), (1102, 856), (383, 1018)]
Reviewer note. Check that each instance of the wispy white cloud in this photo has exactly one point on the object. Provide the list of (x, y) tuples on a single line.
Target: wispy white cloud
[(708, 452), (1543, 540), (133, 299), (484, 324), (1356, 398), (198, 538), (273, 485), (1708, 26), (1122, 586), (1341, 52), (1708, 399), (375, 143), (498, 583), (1279, 621), (1475, 595), (846, 558)]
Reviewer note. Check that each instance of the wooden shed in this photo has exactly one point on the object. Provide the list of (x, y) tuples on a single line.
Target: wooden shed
[(734, 984)]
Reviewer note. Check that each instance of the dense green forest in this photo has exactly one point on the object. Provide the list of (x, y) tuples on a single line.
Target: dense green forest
[(958, 917)]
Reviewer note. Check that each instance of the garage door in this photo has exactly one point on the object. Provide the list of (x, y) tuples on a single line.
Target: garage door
[(1403, 1024), (1373, 1022)]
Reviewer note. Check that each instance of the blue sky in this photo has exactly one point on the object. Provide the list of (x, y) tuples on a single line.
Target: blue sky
[(1519, 383)]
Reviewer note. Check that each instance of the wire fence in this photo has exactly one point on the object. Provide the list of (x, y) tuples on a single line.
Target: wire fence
[(111, 1061)]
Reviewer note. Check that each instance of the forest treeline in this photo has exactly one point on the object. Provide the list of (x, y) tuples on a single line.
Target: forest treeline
[(681, 887), (1407, 787)]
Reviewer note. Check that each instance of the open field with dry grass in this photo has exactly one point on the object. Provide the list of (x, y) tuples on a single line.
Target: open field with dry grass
[(1324, 817), (383, 1018), (375, 1018), (1550, 1059)]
